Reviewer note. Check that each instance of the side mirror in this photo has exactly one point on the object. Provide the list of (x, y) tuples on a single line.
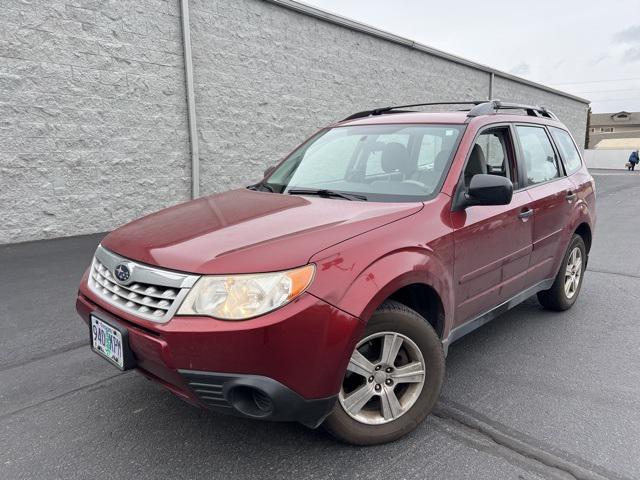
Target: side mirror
[(269, 171), (487, 189)]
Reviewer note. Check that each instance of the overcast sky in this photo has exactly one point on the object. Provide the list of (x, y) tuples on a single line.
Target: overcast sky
[(589, 48)]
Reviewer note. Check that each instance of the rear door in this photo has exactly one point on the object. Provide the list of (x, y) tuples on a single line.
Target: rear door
[(552, 195), (492, 243)]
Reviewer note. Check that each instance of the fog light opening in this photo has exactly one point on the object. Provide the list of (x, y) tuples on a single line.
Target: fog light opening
[(251, 402)]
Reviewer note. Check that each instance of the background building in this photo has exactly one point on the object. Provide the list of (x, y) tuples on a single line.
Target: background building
[(94, 114), (620, 130), (611, 139)]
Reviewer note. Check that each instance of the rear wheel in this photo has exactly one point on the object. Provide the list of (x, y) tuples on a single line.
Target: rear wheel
[(392, 381), (566, 287)]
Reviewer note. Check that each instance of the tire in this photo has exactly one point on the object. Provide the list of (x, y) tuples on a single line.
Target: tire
[(380, 420), (558, 297)]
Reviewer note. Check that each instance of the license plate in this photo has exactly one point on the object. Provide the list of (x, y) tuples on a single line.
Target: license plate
[(107, 342)]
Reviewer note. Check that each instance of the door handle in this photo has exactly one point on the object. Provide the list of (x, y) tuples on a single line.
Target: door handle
[(571, 196), (524, 214)]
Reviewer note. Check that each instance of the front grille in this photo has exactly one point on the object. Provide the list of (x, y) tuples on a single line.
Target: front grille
[(138, 297), (149, 292)]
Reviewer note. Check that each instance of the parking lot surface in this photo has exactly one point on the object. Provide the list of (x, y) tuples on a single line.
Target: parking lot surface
[(533, 394)]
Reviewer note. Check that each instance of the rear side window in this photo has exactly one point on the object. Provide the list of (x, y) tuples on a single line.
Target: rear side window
[(567, 148), (540, 159)]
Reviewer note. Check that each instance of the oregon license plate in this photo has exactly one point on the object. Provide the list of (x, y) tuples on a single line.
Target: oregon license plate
[(107, 342)]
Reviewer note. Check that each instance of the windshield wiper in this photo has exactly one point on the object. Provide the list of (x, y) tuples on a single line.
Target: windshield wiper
[(261, 186), (326, 193)]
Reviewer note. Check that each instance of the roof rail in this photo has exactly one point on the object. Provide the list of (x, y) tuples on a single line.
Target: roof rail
[(493, 106), (480, 107), (380, 111)]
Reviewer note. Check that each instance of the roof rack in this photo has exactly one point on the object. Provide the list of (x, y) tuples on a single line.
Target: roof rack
[(480, 107), (493, 106), (380, 111)]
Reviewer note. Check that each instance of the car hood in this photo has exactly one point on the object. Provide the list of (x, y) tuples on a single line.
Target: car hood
[(243, 231)]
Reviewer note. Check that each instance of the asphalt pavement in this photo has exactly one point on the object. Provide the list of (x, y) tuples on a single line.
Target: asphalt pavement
[(533, 394)]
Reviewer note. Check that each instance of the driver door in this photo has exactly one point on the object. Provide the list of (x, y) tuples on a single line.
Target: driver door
[(492, 243)]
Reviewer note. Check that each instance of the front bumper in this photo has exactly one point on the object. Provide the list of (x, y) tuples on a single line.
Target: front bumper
[(290, 361), (255, 396)]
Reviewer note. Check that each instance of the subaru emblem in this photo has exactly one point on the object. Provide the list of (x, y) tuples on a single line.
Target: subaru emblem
[(122, 273)]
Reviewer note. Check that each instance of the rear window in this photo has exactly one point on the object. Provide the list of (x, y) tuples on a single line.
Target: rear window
[(568, 150), (539, 157)]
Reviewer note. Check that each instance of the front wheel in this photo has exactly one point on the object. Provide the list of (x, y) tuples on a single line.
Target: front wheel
[(392, 381), (566, 287)]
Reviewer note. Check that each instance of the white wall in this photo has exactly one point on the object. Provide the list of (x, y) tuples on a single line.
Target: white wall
[(93, 124), (611, 159)]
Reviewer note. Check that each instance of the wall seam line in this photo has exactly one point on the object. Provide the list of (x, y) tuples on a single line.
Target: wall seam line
[(191, 106)]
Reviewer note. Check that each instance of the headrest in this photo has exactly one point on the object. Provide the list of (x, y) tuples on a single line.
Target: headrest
[(477, 163), (440, 160), (395, 158)]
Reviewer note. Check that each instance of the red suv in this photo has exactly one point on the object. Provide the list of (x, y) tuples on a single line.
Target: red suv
[(329, 292)]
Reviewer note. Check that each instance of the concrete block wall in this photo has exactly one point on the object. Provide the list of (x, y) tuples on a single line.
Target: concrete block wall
[(267, 77), (93, 115), (93, 126)]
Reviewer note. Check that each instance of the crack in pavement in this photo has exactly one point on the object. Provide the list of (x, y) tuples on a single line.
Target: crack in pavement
[(609, 272), (530, 448), (44, 355), (62, 395), (476, 440)]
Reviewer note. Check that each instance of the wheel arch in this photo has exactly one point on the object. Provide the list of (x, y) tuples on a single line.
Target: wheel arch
[(416, 278), (425, 300), (584, 230)]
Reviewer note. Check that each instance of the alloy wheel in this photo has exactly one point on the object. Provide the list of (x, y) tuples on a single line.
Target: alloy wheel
[(384, 379), (573, 273)]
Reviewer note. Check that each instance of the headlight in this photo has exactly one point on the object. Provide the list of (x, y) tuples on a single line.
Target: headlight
[(238, 297)]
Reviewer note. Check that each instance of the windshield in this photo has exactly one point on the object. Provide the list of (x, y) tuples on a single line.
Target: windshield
[(381, 162)]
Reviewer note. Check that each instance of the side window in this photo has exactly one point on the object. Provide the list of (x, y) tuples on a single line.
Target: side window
[(490, 154), (567, 148), (539, 157)]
